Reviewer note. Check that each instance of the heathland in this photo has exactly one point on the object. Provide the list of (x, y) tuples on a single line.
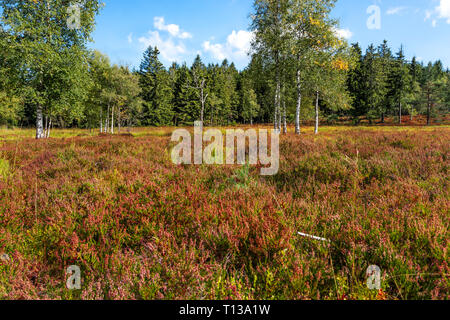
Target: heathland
[(140, 227)]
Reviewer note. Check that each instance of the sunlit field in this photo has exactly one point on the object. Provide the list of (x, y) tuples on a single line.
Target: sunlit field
[(141, 227)]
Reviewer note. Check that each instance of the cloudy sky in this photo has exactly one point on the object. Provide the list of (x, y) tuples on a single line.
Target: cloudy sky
[(218, 29)]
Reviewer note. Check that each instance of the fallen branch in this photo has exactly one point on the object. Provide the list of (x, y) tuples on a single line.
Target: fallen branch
[(313, 237)]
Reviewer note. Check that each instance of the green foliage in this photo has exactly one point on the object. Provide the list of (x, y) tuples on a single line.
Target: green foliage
[(50, 55), (156, 90), (47, 75), (382, 85), (4, 168)]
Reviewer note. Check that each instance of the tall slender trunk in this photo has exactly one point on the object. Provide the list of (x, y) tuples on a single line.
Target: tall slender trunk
[(39, 123), (299, 102), (275, 121), (279, 112), (212, 113), (49, 128), (62, 124), (101, 120), (45, 125), (400, 113), (284, 117), (107, 120), (316, 131), (202, 96), (112, 120), (278, 102), (428, 109), (118, 118), (283, 121)]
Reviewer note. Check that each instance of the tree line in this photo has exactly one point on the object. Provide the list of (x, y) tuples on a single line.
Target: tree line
[(300, 69), (385, 84)]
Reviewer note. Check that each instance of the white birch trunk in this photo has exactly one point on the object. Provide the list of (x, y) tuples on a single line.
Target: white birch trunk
[(101, 120), (316, 131), (39, 123), (280, 111), (49, 128), (299, 103), (112, 120), (275, 121), (45, 126), (118, 119), (107, 120)]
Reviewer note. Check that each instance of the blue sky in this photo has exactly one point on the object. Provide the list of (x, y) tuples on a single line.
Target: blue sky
[(218, 29)]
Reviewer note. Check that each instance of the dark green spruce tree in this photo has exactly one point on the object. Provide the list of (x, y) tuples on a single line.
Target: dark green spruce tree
[(156, 88)]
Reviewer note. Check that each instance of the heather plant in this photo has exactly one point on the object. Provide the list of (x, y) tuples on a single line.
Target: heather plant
[(140, 227)]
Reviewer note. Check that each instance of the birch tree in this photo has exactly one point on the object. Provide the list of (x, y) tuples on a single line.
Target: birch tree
[(39, 31), (327, 77), (268, 24), (308, 25)]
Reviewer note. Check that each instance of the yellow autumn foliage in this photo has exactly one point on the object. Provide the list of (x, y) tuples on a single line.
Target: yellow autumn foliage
[(314, 22), (340, 64)]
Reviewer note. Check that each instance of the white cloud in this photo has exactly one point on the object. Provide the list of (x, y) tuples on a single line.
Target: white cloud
[(170, 50), (396, 10), (236, 47), (185, 35), (240, 40), (173, 29), (440, 12), (168, 38), (217, 50), (344, 33), (444, 10), (130, 38)]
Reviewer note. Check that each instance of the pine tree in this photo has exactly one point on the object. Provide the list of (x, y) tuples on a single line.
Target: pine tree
[(250, 106), (259, 75), (398, 83), (374, 85), (156, 90), (185, 99), (433, 84), (383, 69), (413, 97), (356, 83)]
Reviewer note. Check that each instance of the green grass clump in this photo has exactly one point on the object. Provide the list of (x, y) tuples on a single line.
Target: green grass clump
[(4, 169)]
